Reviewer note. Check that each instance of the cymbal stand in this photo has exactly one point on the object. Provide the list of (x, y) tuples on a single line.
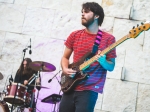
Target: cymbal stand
[(35, 82), (33, 78), (33, 94), (37, 89)]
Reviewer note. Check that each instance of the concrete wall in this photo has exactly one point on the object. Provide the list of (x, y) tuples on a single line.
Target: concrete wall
[(49, 22)]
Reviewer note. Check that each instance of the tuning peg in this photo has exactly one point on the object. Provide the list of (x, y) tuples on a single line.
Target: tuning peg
[(142, 23), (133, 27)]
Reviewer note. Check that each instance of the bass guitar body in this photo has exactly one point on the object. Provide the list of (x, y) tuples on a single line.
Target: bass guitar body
[(68, 83)]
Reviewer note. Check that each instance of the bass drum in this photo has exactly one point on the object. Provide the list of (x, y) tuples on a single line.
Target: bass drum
[(4, 107)]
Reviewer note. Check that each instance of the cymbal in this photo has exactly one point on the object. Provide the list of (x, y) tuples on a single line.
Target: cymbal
[(39, 86), (1, 76), (42, 66)]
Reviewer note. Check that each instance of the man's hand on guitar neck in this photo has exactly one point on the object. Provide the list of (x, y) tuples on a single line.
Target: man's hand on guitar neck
[(108, 65), (101, 58)]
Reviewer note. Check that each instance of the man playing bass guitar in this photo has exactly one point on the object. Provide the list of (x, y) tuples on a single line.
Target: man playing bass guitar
[(83, 96)]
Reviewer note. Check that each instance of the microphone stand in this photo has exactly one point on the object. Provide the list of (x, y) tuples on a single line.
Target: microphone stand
[(24, 50), (53, 77)]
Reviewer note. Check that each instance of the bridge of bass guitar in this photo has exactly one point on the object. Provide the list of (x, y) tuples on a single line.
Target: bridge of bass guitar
[(69, 83)]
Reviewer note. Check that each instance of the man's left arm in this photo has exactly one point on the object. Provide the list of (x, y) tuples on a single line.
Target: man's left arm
[(107, 64)]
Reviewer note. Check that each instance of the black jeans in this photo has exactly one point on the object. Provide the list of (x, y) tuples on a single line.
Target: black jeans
[(78, 101)]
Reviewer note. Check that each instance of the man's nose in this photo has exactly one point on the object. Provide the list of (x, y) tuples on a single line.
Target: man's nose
[(83, 13)]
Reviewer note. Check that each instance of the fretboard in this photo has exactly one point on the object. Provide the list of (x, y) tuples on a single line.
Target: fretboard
[(105, 51)]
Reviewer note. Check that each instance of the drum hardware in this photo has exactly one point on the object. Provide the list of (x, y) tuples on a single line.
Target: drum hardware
[(31, 79)]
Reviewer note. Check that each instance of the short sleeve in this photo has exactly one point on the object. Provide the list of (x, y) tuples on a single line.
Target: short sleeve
[(70, 40)]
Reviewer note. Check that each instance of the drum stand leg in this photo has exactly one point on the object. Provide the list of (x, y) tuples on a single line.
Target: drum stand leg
[(20, 109), (54, 107), (36, 98), (32, 101)]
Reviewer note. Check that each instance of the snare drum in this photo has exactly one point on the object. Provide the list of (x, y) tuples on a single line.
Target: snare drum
[(20, 94), (4, 107)]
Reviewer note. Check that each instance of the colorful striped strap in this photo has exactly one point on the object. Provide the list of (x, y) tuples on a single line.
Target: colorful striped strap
[(97, 41)]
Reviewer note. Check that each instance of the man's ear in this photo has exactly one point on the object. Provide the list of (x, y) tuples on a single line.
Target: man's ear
[(96, 16)]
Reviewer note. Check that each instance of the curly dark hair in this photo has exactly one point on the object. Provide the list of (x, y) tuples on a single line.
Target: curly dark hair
[(96, 9), (27, 70)]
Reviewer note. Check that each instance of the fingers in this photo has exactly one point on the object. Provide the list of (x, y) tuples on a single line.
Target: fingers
[(98, 56), (99, 51), (25, 82), (68, 71)]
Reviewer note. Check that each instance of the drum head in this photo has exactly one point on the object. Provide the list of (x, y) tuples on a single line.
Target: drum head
[(16, 101)]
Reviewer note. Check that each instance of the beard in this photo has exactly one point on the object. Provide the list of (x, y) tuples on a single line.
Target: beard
[(87, 22)]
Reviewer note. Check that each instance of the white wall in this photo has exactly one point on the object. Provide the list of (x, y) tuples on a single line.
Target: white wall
[(49, 22)]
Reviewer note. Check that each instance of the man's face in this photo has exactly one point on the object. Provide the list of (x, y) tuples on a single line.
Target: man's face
[(87, 17)]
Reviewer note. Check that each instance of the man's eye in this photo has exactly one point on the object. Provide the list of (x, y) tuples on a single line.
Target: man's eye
[(86, 11)]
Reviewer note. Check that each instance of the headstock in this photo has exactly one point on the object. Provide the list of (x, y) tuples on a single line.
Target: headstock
[(136, 31)]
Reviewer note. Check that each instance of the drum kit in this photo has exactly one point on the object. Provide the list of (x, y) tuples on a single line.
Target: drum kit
[(17, 94)]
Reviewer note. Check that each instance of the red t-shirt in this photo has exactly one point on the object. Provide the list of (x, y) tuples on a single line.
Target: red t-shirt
[(82, 42)]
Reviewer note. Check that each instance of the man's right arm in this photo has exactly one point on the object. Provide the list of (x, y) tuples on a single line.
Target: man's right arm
[(65, 62)]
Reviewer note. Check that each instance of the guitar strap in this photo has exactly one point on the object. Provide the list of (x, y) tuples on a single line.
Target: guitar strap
[(97, 41)]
